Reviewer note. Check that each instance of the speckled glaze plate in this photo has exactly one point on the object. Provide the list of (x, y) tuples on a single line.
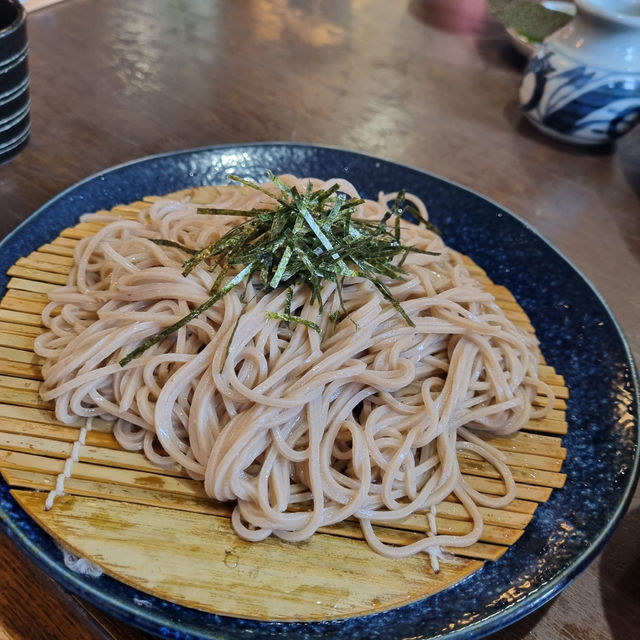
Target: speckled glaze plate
[(579, 338)]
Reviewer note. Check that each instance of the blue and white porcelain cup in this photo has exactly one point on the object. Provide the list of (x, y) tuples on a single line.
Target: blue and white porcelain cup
[(15, 124), (583, 84)]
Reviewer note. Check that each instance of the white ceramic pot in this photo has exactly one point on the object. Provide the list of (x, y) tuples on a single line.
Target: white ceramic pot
[(583, 84)]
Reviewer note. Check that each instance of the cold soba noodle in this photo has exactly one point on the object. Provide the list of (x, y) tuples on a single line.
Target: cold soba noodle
[(301, 428)]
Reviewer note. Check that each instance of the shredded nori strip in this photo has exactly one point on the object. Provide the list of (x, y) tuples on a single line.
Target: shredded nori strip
[(306, 239)]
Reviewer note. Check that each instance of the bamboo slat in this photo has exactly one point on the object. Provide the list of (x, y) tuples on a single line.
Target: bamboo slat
[(156, 529), (39, 261), (22, 301), (22, 317), (60, 246), (20, 329), (35, 286)]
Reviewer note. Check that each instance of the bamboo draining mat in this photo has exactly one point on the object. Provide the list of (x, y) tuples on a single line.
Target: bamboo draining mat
[(156, 530)]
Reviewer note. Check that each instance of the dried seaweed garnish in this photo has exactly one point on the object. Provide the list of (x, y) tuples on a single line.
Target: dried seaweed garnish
[(308, 238), (170, 243)]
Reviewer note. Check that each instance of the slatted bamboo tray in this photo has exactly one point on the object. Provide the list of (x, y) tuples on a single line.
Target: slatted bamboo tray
[(156, 530)]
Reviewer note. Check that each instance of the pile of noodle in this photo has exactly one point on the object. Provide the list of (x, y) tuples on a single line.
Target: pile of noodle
[(300, 429)]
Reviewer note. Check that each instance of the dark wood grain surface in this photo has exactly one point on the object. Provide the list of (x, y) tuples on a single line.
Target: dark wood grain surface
[(430, 83)]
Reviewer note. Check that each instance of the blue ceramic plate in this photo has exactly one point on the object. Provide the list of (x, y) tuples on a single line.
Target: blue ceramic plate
[(579, 338)]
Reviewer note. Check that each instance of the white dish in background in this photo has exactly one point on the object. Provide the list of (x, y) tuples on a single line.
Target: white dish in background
[(528, 47)]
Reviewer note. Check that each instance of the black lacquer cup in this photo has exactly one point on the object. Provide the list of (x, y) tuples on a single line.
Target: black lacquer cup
[(15, 124)]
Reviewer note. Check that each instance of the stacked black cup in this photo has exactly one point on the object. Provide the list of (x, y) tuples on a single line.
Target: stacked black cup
[(15, 124)]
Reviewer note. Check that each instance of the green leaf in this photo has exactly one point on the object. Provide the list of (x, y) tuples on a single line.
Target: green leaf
[(531, 19)]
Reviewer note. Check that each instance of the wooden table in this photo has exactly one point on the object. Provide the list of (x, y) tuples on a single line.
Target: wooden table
[(430, 83)]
